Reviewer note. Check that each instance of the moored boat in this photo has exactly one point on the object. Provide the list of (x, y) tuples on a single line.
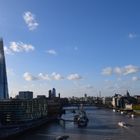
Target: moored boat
[(81, 119)]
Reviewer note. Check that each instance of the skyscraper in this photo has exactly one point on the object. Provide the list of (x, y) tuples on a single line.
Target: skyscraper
[(3, 75), (50, 94), (54, 92)]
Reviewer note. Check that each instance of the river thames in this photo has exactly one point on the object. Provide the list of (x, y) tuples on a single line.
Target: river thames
[(103, 125)]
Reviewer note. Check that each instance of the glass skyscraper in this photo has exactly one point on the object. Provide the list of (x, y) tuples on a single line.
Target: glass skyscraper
[(3, 76)]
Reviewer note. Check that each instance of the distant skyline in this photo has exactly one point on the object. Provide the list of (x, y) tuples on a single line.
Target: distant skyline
[(75, 46)]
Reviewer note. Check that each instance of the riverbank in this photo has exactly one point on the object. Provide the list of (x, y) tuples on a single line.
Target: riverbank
[(9, 132)]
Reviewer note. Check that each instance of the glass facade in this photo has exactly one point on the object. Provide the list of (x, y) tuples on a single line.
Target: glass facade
[(3, 75)]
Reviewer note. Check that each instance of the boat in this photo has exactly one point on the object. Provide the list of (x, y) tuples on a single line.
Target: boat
[(114, 110), (122, 112), (132, 116), (122, 124), (81, 119)]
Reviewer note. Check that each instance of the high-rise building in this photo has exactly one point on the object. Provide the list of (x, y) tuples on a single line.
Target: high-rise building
[(25, 95), (59, 95), (3, 76), (50, 94), (54, 92)]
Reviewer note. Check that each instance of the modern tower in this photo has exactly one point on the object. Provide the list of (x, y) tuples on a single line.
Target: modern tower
[(3, 76), (54, 92)]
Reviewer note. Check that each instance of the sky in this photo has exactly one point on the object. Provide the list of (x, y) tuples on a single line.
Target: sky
[(75, 46)]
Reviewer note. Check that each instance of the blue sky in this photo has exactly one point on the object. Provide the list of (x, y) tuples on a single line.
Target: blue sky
[(76, 46)]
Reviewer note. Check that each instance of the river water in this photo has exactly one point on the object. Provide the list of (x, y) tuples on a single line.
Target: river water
[(103, 125)]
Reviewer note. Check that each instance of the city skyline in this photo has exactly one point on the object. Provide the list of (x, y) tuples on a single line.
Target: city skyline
[(76, 47)]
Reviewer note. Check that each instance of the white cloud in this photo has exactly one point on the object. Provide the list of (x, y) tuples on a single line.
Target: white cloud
[(52, 52), (15, 47), (128, 69), (107, 71), (30, 20), (118, 70), (7, 50), (29, 77), (74, 77), (132, 35), (134, 78), (20, 47), (56, 76), (42, 76)]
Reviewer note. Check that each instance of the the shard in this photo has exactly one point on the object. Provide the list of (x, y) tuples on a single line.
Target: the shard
[(3, 76)]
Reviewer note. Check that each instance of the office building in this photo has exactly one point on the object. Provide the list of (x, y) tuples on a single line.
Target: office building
[(25, 95), (3, 76), (53, 92)]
